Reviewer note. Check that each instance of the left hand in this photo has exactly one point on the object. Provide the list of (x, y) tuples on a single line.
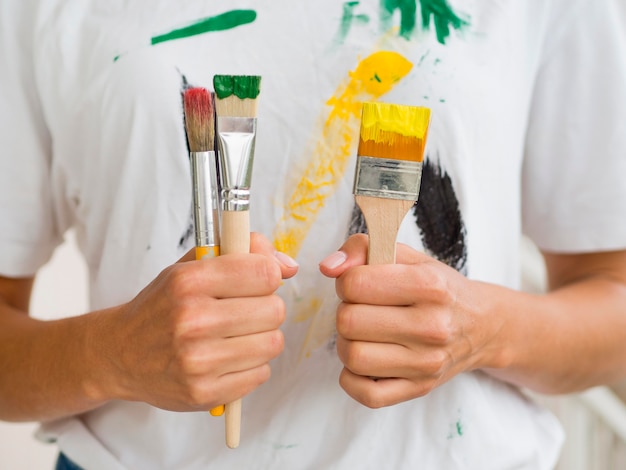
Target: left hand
[(412, 325)]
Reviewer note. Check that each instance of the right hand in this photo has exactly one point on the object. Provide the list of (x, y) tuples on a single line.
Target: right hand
[(200, 335)]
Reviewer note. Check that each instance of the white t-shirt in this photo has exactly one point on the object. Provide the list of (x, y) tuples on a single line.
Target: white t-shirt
[(528, 133)]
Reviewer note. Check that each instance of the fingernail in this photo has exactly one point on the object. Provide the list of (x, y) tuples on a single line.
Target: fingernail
[(286, 259), (334, 260)]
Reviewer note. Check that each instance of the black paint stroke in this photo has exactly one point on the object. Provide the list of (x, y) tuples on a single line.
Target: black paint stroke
[(357, 221), (438, 216), (189, 232)]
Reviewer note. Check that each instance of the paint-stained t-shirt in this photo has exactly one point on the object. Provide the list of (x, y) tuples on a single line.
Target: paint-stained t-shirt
[(526, 135)]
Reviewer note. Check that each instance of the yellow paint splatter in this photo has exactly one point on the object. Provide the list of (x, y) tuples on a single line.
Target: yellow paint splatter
[(374, 76), (308, 312)]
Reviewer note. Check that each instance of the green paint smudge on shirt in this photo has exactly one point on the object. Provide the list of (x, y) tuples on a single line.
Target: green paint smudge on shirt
[(442, 16), (459, 428), (407, 15), (437, 11), (229, 20), (348, 17), (242, 86)]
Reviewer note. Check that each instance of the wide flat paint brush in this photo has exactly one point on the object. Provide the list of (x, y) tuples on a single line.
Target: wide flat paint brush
[(200, 126), (388, 172), (236, 110)]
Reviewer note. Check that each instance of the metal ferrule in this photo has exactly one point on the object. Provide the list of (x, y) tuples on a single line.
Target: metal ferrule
[(205, 198), (387, 178), (236, 137)]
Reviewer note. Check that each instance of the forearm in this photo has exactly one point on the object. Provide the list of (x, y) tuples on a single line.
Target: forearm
[(566, 340), (48, 369)]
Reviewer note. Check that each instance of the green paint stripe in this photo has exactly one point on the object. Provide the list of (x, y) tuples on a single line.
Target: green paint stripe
[(242, 86), (230, 19)]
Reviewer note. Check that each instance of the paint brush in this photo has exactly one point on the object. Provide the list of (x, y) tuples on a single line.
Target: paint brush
[(388, 172), (236, 110), (200, 126)]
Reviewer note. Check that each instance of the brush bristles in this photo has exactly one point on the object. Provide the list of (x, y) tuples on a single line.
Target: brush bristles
[(233, 106), (236, 95), (393, 131), (199, 119), (393, 146)]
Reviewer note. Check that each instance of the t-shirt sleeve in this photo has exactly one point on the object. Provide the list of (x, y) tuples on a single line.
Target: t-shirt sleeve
[(574, 189), (27, 229)]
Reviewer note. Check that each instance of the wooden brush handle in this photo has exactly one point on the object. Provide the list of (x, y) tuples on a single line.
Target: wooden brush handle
[(235, 239), (383, 218), (235, 232)]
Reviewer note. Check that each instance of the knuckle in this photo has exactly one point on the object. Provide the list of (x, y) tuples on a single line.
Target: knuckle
[(199, 394), (374, 399), (355, 281), (188, 363), (278, 309), (268, 272), (257, 377), (442, 331), (437, 282), (181, 320), (424, 387), (179, 278), (355, 358), (435, 364), (343, 322), (276, 343)]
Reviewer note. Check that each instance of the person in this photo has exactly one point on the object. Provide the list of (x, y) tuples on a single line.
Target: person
[(419, 364)]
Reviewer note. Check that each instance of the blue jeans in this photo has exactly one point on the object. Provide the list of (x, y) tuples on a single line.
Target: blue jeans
[(63, 463)]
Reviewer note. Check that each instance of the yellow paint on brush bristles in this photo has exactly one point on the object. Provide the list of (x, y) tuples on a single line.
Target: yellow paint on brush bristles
[(393, 131)]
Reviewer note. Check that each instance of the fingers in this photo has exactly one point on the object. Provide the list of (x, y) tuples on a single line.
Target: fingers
[(377, 393), (205, 392), (260, 244), (235, 317), (401, 325), (231, 387), (392, 360), (397, 284), (235, 275), (236, 354), (415, 276)]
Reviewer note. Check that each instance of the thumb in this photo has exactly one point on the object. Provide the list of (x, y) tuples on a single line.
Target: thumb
[(352, 253)]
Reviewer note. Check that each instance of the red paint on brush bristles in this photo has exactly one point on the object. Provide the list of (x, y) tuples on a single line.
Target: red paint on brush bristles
[(199, 118)]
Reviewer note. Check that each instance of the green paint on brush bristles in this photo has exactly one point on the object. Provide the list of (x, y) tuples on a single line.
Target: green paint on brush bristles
[(242, 86)]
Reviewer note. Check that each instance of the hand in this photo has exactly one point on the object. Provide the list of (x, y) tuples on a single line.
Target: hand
[(406, 328), (201, 334)]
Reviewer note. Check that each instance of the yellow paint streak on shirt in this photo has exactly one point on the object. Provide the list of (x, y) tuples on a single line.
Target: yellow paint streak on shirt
[(308, 312), (373, 77)]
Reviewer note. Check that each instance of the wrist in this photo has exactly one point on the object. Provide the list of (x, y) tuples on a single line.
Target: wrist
[(499, 320), (102, 380)]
